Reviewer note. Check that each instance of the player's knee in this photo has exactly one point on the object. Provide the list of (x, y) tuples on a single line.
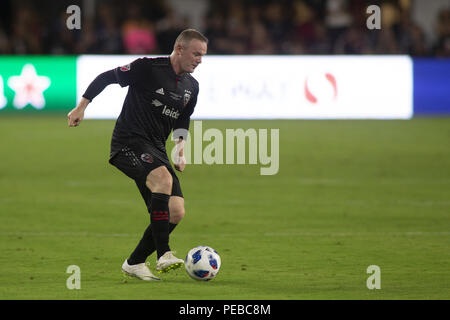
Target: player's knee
[(163, 185), (160, 181), (176, 207), (176, 214)]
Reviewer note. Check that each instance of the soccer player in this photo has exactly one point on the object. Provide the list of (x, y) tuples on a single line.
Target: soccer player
[(161, 97)]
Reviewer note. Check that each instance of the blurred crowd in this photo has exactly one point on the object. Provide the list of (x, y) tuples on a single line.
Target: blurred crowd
[(233, 27)]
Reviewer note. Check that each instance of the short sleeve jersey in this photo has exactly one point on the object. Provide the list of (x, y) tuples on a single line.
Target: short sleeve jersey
[(158, 101)]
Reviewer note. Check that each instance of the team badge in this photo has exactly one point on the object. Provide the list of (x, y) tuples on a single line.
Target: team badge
[(187, 97), (146, 157), (125, 68)]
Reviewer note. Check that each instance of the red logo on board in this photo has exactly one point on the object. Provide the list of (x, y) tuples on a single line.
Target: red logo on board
[(311, 97)]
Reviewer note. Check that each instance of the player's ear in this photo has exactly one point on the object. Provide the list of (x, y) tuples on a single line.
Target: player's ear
[(179, 48)]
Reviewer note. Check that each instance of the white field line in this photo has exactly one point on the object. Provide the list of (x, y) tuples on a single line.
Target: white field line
[(355, 234), (343, 182), (267, 234)]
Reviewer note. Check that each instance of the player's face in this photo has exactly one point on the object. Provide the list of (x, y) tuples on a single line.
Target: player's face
[(191, 55)]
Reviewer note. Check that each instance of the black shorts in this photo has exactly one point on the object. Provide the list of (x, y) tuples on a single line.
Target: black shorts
[(137, 162)]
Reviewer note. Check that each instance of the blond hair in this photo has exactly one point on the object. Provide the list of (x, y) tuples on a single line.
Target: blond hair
[(189, 34)]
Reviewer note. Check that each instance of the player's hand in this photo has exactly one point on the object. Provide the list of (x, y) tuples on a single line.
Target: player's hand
[(180, 163), (75, 116)]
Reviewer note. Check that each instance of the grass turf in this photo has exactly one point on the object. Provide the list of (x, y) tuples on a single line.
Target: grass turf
[(348, 194)]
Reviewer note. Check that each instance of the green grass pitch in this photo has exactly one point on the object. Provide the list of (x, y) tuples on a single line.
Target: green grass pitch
[(348, 194)]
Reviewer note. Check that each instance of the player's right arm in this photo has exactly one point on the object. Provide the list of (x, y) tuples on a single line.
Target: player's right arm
[(95, 87), (135, 72)]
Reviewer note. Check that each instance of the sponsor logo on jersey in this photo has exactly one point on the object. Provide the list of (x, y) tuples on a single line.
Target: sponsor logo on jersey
[(156, 103), (170, 112), (126, 67)]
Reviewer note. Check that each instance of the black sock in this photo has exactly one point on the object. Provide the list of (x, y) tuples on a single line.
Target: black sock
[(159, 217), (158, 231), (146, 246)]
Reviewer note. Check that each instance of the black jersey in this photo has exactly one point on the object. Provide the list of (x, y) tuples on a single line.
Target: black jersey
[(158, 101)]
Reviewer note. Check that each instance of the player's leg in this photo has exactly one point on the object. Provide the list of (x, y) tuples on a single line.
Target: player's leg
[(146, 245), (176, 203), (126, 162), (159, 182), (155, 183), (176, 208)]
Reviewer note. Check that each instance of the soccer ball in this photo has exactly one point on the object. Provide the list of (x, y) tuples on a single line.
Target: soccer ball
[(202, 263)]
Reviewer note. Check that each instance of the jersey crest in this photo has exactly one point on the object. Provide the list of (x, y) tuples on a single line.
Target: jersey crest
[(187, 97)]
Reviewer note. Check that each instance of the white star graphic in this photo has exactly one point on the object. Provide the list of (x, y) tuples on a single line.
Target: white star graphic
[(29, 88)]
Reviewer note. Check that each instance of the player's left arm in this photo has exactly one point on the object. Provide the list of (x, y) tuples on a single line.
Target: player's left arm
[(181, 130), (180, 160)]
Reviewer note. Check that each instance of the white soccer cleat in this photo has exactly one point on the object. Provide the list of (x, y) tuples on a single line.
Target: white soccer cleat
[(140, 271), (168, 262)]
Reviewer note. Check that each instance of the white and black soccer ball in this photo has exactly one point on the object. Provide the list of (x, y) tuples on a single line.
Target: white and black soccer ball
[(202, 263)]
